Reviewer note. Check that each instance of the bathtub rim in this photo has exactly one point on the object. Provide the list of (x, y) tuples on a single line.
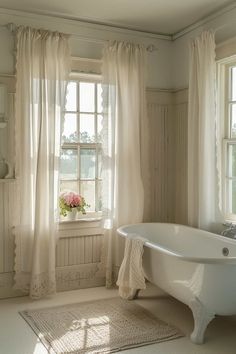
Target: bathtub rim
[(214, 260)]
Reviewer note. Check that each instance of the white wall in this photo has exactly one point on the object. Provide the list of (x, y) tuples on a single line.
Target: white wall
[(7, 59)]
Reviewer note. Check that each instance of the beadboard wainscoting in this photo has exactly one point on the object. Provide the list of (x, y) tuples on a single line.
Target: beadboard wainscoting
[(7, 245), (167, 184), (181, 156), (79, 255), (160, 116), (8, 194)]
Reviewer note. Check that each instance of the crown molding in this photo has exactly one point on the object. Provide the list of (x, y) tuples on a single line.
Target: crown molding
[(114, 25), (56, 18), (204, 21), (227, 42), (63, 18)]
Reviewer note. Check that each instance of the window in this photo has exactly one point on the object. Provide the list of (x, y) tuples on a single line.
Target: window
[(228, 109), (80, 169)]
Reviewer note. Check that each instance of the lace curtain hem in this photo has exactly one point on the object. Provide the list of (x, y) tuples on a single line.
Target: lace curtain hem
[(36, 286)]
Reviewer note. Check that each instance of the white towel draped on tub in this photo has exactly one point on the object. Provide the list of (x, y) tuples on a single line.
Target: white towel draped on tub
[(131, 276)]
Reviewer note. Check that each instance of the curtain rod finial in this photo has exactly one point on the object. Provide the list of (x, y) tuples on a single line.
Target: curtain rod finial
[(11, 27)]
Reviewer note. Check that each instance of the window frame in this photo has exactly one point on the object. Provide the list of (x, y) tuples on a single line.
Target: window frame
[(96, 79), (224, 97)]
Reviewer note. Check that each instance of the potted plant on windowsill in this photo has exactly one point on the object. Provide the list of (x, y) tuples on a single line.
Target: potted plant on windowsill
[(71, 203)]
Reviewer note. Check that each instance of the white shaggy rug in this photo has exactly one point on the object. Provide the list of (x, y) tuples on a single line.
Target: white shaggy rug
[(101, 326)]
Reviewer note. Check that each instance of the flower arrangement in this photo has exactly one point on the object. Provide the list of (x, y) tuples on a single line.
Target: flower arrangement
[(69, 201)]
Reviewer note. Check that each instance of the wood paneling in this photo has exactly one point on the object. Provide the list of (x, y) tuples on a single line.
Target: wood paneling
[(78, 257), (181, 182), (161, 163), (7, 200), (79, 250), (167, 115), (158, 117)]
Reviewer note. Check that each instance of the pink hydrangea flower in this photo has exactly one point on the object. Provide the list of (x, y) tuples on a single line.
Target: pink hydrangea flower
[(71, 199), (77, 200)]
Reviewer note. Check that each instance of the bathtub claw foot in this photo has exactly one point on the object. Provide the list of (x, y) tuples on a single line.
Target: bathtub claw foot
[(136, 294), (202, 317)]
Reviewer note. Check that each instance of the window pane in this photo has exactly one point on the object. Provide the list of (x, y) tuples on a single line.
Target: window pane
[(87, 163), (69, 186), (233, 83), (232, 196), (233, 120), (68, 169), (69, 134), (71, 97), (99, 201), (87, 190), (87, 129), (99, 128), (99, 98), (232, 160), (99, 163), (87, 95)]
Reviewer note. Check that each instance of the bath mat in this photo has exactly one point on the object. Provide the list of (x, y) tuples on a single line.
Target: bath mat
[(101, 326)]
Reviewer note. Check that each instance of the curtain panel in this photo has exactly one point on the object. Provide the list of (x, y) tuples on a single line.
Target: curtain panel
[(202, 176), (124, 117), (42, 70)]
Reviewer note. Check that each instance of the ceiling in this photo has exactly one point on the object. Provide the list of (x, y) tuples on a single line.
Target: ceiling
[(156, 16)]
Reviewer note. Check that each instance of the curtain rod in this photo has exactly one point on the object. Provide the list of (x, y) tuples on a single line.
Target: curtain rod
[(12, 27)]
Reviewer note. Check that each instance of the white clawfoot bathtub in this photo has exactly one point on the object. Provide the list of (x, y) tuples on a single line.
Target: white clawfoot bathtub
[(194, 266)]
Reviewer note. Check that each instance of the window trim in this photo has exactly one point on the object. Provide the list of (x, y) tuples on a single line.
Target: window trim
[(224, 88), (76, 76), (226, 179), (80, 228)]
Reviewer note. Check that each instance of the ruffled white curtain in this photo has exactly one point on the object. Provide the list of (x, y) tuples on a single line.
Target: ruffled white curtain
[(124, 101), (202, 176), (42, 71)]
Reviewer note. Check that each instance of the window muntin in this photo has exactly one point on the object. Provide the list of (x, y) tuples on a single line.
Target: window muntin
[(80, 169), (229, 143), (230, 178)]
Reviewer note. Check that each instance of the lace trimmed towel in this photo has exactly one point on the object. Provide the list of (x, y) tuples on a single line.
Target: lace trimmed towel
[(131, 275)]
